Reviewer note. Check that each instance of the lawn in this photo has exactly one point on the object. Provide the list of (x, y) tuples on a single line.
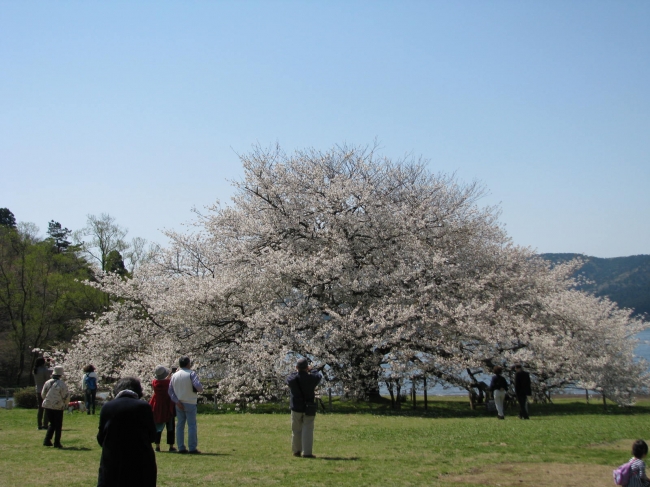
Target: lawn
[(567, 443)]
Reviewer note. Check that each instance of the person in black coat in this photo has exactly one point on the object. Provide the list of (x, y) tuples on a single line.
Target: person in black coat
[(522, 390), (126, 432)]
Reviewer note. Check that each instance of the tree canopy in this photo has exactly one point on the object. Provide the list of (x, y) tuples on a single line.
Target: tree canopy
[(374, 270), (42, 298), (7, 218), (59, 235)]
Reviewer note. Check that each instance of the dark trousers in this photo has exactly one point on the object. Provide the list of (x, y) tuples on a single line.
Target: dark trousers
[(41, 412), (170, 433), (89, 399), (523, 405), (55, 416)]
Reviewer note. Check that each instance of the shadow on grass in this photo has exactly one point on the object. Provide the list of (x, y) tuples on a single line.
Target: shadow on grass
[(76, 448), (448, 407), (202, 454), (339, 459)]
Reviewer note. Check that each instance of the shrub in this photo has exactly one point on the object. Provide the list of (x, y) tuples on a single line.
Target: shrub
[(26, 398)]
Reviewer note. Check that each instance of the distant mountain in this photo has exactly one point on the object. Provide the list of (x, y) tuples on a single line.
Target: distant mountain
[(625, 280)]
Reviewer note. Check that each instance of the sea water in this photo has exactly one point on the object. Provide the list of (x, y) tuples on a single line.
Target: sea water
[(642, 351)]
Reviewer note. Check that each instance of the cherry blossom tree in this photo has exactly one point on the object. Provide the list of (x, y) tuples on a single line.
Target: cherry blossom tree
[(370, 268), (590, 344)]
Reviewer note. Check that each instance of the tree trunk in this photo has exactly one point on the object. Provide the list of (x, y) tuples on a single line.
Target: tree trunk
[(372, 393), (399, 395), (21, 365), (371, 387), (366, 383), (425, 394), (413, 393), (389, 385)]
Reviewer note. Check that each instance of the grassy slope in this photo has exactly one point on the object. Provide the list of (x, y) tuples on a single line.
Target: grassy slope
[(352, 449)]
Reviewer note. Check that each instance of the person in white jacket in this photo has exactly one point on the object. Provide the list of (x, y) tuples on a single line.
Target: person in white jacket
[(55, 400), (184, 387)]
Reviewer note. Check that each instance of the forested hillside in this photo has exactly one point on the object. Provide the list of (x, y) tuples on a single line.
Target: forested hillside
[(625, 280), (43, 300)]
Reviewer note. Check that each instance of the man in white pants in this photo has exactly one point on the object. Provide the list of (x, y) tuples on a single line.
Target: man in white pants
[(499, 387), (302, 384)]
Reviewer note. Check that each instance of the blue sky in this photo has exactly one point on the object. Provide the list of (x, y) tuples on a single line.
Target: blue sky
[(139, 109)]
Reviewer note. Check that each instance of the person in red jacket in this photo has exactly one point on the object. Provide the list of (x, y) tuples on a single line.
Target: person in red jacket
[(163, 407)]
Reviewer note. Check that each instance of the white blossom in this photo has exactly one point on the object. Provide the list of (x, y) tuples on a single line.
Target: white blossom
[(374, 270)]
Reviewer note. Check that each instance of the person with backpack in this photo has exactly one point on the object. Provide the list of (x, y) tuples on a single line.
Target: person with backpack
[(89, 386), (55, 400), (302, 385), (499, 388), (638, 477)]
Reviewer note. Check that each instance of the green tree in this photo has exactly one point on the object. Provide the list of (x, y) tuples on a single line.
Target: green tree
[(7, 218), (59, 235), (42, 299), (100, 237), (115, 263)]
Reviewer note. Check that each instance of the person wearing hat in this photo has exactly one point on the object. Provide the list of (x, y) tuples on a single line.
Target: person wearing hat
[(162, 406), (302, 384), (55, 400), (183, 390)]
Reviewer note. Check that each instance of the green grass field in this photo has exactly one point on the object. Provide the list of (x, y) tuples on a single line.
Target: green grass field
[(566, 443)]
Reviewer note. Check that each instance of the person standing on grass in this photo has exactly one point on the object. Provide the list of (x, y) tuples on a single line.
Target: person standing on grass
[(126, 432), (183, 389), (162, 406), (89, 386), (499, 387), (638, 477), (522, 390), (55, 399), (302, 385), (41, 375)]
